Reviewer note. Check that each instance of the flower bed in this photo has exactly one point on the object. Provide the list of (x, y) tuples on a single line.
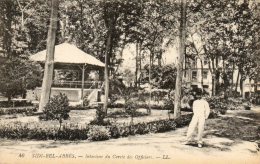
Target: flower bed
[(34, 130)]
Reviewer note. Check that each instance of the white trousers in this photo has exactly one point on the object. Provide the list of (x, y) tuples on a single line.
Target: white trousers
[(197, 121)]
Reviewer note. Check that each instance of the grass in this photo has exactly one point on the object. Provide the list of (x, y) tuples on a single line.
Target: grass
[(246, 126)]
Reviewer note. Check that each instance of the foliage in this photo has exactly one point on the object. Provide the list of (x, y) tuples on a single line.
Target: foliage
[(225, 29), (17, 75), (116, 88), (33, 130), (162, 126), (24, 26), (163, 77), (39, 131), (183, 120), (142, 128), (168, 101), (124, 114), (98, 133), (100, 116), (16, 110), (7, 104), (85, 102), (57, 108), (130, 108), (220, 105)]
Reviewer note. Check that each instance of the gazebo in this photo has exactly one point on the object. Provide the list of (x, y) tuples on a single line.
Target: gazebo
[(70, 66)]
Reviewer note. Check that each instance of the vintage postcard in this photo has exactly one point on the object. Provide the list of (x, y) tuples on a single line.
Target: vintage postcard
[(129, 81)]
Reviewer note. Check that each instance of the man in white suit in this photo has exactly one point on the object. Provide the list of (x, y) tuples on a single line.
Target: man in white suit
[(201, 112)]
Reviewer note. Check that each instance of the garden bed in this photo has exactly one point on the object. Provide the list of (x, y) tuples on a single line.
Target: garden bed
[(39, 131), (19, 126)]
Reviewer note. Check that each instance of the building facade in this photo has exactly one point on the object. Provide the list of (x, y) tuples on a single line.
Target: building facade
[(197, 74)]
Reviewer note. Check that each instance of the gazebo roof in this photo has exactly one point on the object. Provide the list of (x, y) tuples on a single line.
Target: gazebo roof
[(68, 54)]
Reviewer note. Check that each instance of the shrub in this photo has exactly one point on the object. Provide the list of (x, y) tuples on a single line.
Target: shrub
[(183, 120), (141, 128), (114, 131), (168, 104), (220, 105), (100, 115), (56, 109), (130, 108), (32, 130), (161, 126), (98, 133), (165, 125), (85, 101), (17, 75)]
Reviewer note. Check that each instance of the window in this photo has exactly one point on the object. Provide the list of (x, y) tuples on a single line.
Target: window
[(194, 75), (205, 74)]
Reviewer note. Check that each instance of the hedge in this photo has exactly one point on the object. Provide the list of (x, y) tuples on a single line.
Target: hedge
[(37, 131), (7, 104), (15, 110)]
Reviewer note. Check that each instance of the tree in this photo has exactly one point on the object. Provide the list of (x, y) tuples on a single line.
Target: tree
[(17, 75), (182, 39), (49, 63), (163, 77), (226, 29), (56, 109)]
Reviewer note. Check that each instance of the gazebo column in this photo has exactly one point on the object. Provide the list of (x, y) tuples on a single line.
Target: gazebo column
[(82, 82)]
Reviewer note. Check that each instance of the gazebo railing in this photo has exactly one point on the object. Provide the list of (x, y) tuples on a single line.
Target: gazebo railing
[(77, 84)]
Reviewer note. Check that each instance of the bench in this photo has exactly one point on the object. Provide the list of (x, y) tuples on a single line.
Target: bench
[(18, 100)]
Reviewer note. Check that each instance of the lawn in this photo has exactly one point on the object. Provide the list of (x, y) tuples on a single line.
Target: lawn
[(236, 125)]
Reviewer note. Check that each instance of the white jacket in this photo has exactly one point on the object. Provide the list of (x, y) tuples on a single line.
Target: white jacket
[(201, 108)]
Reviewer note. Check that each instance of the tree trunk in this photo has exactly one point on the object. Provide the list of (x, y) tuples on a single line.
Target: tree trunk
[(217, 77), (213, 85), (136, 65), (82, 84), (213, 78), (160, 58), (150, 88), (202, 69), (255, 85), (49, 63), (182, 38), (107, 58), (140, 64), (241, 86), (7, 28), (250, 88), (237, 81), (232, 80)]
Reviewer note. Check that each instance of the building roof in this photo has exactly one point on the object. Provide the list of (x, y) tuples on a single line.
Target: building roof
[(68, 54)]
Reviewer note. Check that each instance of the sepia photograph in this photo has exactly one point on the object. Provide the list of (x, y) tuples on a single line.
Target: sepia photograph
[(130, 81)]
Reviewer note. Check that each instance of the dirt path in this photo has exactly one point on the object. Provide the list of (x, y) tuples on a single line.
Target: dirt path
[(232, 138)]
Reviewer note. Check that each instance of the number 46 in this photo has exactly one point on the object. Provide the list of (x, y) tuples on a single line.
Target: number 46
[(21, 155)]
